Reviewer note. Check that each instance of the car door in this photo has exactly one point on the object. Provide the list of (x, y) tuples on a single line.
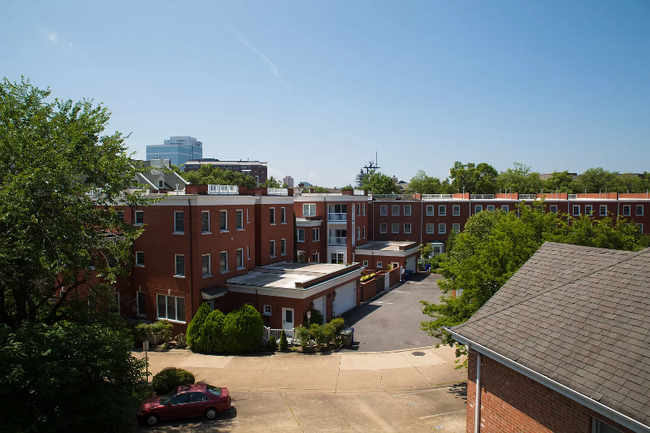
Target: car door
[(178, 406), (198, 403)]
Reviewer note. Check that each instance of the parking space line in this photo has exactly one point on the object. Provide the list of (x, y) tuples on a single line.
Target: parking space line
[(440, 414), (422, 391)]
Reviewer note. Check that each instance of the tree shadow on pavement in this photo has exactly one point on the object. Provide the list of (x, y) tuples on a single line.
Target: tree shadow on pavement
[(459, 390)]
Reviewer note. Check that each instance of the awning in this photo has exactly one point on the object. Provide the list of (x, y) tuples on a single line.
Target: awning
[(213, 292)]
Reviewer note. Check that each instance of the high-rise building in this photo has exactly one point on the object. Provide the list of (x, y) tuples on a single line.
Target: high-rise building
[(178, 149), (288, 180)]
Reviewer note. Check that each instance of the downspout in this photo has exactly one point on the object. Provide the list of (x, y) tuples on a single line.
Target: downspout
[(477, 405), (421, 221), (189, 204)]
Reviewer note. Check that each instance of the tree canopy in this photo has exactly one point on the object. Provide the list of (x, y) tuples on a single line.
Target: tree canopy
[(472, 178), (521, 178), (424, 184), (207, 174), (379, 183)]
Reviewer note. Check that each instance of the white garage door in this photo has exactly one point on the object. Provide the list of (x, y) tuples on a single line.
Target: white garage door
[(346, 299), (410, 264)]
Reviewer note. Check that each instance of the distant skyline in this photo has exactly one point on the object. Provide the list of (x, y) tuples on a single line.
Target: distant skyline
[(316, 88)]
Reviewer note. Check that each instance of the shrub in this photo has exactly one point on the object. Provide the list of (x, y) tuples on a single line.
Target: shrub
[(284, 344), (367, 277), (171, 378), (337, 326), (156, 333), (316, 316), (181, 340), (273, 344), (320, 333), (212, 339), (303, 336), (194, 328), (243, 330)]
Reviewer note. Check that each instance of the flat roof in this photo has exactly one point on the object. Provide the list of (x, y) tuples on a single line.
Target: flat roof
[(285, 275), (387, 245)]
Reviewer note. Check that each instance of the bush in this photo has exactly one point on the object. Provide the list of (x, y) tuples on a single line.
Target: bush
[(194, 328), (181, 340), (337, 326), (321, 333), (316, 316), (243, 330), (284, 344), (367, 277), (212, 338), (273, 344), (156, 333), (303, 336), (171, 378)]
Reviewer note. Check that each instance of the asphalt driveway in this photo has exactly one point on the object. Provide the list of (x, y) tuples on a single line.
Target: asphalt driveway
[(392, 322)]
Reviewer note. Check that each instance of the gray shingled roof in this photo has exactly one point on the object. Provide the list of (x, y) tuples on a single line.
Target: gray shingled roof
[(579, 316)]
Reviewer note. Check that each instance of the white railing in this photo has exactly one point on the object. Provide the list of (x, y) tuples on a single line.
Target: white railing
[(573, 196), (333, 240), (358, 192), (481, 196), (268, 333), (337, 216), (437, 196), (223, 189), (277, 191), (392, 196), (527, 196)]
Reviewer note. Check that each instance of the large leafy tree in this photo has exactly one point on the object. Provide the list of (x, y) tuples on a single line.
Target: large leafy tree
[(560, 181), (425, 184), (379, 183), (521, 178), (60, 180), (208, 174), (472, 178), (598, 179), (494, 245)]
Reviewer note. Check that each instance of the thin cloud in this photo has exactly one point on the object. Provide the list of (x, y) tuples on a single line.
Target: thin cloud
[(261, 55), (55, 38)]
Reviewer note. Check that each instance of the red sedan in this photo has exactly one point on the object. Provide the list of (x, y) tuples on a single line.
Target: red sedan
[(187, 401)]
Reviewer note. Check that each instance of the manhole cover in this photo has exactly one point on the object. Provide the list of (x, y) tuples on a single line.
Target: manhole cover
[(418, 353)]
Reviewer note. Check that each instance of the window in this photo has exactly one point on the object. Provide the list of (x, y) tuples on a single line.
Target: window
[(627, 210), (62, 292), (603, 210), (365, 263), (490, 207), (407, 210), (358, 209), (429, 228), (395, 210), (455, 210), (364, 209), (247, 220), (395, 228), (639, 210), (455, 227), (283, 215), (206, 268), (383, 228), (141, 301), (139, 217), (272, 248), (442, 228), (383, 210), (553, 208), (240, 258), (429, 210), (505, 207), (598, 426), (223, 262), (205, 221), (161, 184), (180, 265), (337, 258), (407, 228), (248, 252), (576, 210), (478, 208), (363, 232), (267, 310), (198, 396), (239, 219), (301, 235), (588, 209), (171, 308), (272, 215), (358, 233), (139, 258), (315, 233), (309, 210), (380, 265), (223, 220), (179, 222), (442, 210), (120, 215), (283, 247)]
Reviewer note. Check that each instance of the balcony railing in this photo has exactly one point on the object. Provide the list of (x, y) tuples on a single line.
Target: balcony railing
[(333, 240), (277, 191), (573, 196), (482, 196), (223, 189), (392, 196), (337, 216), (358, 192), (437, 196), (527, 196)]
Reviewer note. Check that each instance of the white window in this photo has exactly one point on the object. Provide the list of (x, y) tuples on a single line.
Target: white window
[(267, 310), (442, 210), (380, 265), (603, 210), (120, 215), (171, 308), (301, 235), (395, 210), (309, 209), (239, 218), (430, 228), (315, 233), (505, 207), (455, 227), (407, 210), (161, 184), (395, 228), (363, 232), (627, 210), (272, 248), (223, 262), (62, 292), (283, 215), (358, 209), (455, 210), (205, 221), (223, 220), (407, 228), (315, 258), (247, 220), (139, 258), (383, 210), (442, 228), (358, 233), (383, 228), (283, 247), (141, 301), (139, 217), (365, 263), (639, 210), (240, 258), (179, 222), (364, 209), (180, 265), (248, 252), (206, 265), (553, 208), (576, 209), (430, 210), (272, 215), (490, 207), (588, 209), (478, 208)]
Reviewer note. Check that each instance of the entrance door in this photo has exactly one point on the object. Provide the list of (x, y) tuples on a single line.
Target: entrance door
[(287, 318)]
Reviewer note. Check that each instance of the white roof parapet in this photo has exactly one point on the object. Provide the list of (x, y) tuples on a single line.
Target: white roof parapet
[(482, 196), (223, 189), (437, 196), (277, 191), (527, 196), (358, 192)]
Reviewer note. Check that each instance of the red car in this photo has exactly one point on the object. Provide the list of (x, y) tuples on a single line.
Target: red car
[(187, 401)]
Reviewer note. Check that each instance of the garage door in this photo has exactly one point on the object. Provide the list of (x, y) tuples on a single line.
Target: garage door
[(410, 264), (346, 299)]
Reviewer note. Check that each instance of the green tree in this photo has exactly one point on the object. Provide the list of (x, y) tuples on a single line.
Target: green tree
[(212, 338), (379, 183), (598, 179), (560, 181), (194, 333), (271, 182), (521, 178), (425, 184), (209, 175), (320, 189), (475, 179), (243, 330)]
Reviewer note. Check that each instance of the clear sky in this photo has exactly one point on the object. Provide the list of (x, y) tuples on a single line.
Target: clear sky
[(315, 88)]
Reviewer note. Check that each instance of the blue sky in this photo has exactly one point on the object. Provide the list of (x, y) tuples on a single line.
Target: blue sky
[(317, 87)]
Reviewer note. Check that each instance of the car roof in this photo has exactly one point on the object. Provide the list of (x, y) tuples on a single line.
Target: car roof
[(195, 387)]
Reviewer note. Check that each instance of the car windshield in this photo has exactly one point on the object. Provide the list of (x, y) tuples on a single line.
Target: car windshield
[(213, 390), (165, 398)]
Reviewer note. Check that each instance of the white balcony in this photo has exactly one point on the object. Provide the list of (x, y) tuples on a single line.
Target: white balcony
[(223, 189), (333, 240), (337, 217)]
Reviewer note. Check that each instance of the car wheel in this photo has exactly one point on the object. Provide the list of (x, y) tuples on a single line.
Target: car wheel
[(152, 419), (211, 413)]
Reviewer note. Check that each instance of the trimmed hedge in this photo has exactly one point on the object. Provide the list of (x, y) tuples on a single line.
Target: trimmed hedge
[(243, 330), (171, 378), (194, 330), (212, 339)]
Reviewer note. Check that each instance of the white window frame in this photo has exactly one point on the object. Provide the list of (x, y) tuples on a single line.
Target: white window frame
[(169, 298), (455, 210), (392, 228), (309, 209), (363, 232), (283, 247), (176, 257), (139, 218), (383, 210), (442, 210), (176, 231), (407, 228), (225, 268), (205, 230), (490, 207), (272, 218), (301, 231), (407, 210), (574, 208), (455, 227), (442, 228), (430, 227), (239, 217), (358, 233), (223, 212), (365, 263), (209, 273), (380, 264), (383, 228), (137, 261), (505, 208), (430, 211), (315, 257), (603, 210), (364, 209), (636, 210), (394, 210), (240, 264), (315, 235), (629, 210), (267, 310), (283, 215), (248, 252), (478, 208), (141, 305), (588, 209), (272, 249), (120, 215)]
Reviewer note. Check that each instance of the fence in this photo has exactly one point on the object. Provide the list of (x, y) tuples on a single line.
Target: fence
[(223, 189), (268, 333)]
